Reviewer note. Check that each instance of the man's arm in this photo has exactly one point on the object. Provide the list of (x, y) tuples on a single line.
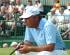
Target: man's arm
[(30, 48), (33, 48), (49, 47)]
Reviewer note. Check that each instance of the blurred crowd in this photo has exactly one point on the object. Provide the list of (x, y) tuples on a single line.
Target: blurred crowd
[(60, 16), (9, 15), (11, 12)]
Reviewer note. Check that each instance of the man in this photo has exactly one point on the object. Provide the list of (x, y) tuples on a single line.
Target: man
[(61, 20), (5, 45), (67, 14), (52, 16), (41, 36)]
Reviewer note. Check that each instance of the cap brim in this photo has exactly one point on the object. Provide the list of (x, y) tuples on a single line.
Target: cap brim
[(25, 15)]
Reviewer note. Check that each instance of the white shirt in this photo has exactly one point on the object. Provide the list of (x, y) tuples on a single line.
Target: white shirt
[(39, 6), (60, 17), (67, 15), (52, 18)]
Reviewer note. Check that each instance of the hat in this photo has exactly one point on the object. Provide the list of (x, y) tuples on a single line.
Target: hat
[(30, 12), (5, 45), (13, 43)]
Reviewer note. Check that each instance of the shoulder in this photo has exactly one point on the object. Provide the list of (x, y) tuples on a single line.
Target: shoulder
[(49, 25), (43, 21)]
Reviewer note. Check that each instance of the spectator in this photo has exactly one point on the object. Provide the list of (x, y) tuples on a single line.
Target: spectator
[(11, 8), (52, 16), (38, 31), (7, 25), (14, 45), (3, 29), (9, 13), (5, 45), (12, 1), (57, 4), (39, 5), (60, 15), (67, 14), (61, 19), (28, 6), (3, 10), (20, 6)]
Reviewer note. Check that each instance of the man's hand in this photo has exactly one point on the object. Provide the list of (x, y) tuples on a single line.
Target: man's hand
[(28, 48), (24, 49)]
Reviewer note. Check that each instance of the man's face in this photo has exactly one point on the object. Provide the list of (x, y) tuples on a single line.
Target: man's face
[(32, 21)]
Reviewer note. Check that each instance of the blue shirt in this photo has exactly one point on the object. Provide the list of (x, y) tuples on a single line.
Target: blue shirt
[(45, 34)]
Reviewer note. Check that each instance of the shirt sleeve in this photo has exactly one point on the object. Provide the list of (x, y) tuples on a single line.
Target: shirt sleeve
[(28, 36), (50, 34)]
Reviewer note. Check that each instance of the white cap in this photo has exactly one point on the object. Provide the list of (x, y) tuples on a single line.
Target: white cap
[(5, 45), (14, 43), (32, 11)]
